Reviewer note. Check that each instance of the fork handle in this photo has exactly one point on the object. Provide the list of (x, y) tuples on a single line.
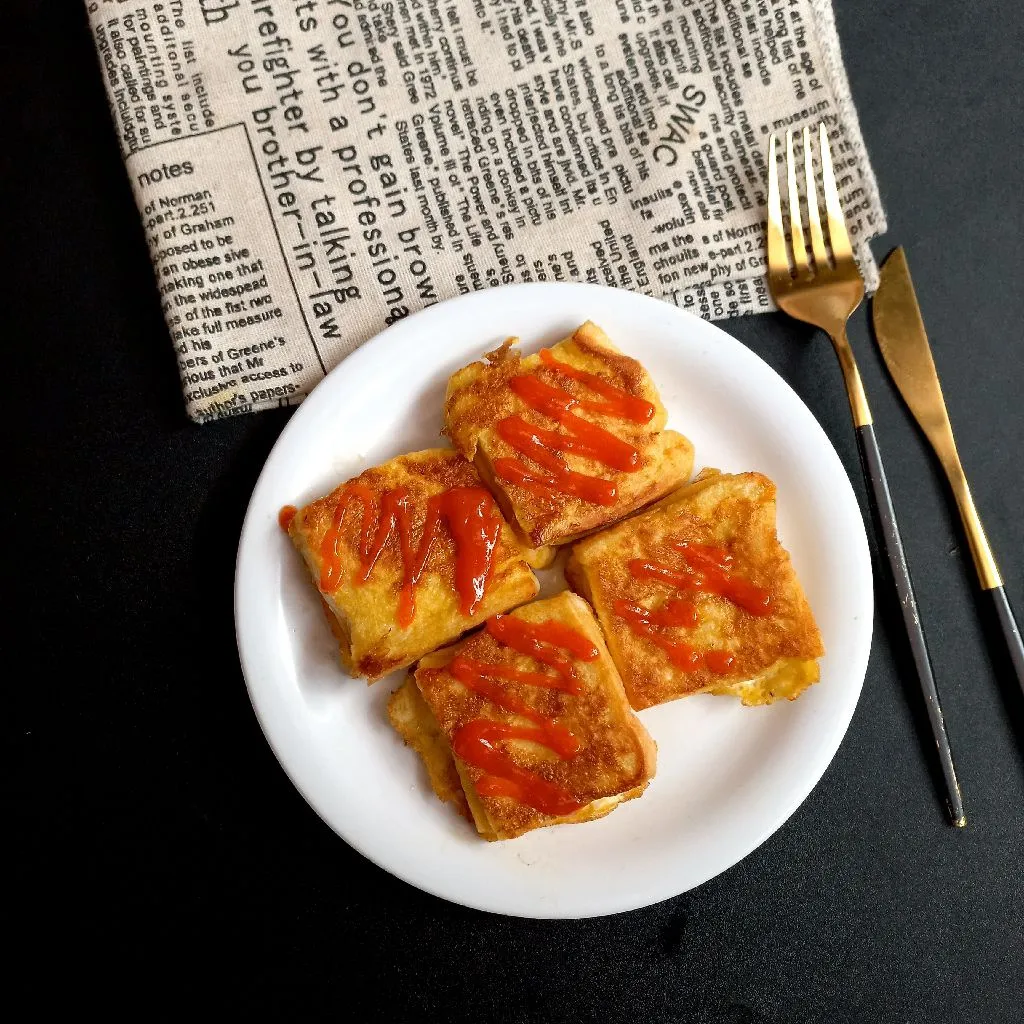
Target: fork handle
[(885, 518), (1011, 631)]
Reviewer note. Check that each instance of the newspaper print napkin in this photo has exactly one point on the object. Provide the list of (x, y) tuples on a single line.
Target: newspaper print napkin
[(310, 171)]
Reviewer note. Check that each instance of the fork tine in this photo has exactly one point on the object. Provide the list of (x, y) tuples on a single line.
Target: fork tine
[(836, 223), (796, 226), (813, 213), (778, 260)]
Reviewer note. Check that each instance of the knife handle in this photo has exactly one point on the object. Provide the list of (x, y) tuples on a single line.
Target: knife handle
[(1011, 631), (984, 561), (885, 519)]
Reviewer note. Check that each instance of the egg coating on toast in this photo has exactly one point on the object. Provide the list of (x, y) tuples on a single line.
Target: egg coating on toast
[(569, 439), (408, 556), (533, 742), (697, 595)]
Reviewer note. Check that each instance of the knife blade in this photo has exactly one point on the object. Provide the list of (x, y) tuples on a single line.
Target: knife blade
[(903, 341)]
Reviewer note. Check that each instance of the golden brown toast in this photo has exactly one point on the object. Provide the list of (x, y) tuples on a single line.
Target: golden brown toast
[(415, 723), (352, 541), (579, 753), (487, 407), (697, 594)]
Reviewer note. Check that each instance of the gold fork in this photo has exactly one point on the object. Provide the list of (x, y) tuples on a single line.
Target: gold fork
[(825, 291)]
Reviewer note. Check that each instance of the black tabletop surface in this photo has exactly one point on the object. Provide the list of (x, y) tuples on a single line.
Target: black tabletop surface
[(160, 848)]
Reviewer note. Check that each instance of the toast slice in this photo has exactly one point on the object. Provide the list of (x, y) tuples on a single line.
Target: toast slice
[(697, 594), (408, 556), (536, 739), (412, 718), (570, 439)]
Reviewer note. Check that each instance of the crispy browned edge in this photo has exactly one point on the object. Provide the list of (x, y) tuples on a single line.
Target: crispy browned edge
[(787, 677), (411, 717), (671, 454), (415, 722), (373, 668)]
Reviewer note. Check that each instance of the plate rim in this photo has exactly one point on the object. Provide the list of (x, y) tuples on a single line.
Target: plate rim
[(838, 727)]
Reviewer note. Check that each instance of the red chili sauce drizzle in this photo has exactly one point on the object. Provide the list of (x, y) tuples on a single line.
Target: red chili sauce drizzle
[(472, 519), (476, 741), (546, 447), (702, 567)]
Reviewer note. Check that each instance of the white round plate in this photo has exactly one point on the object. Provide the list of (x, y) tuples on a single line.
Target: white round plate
[(728, 776)]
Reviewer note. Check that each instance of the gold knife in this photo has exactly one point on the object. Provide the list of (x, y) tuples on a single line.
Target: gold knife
[(901, 336)]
